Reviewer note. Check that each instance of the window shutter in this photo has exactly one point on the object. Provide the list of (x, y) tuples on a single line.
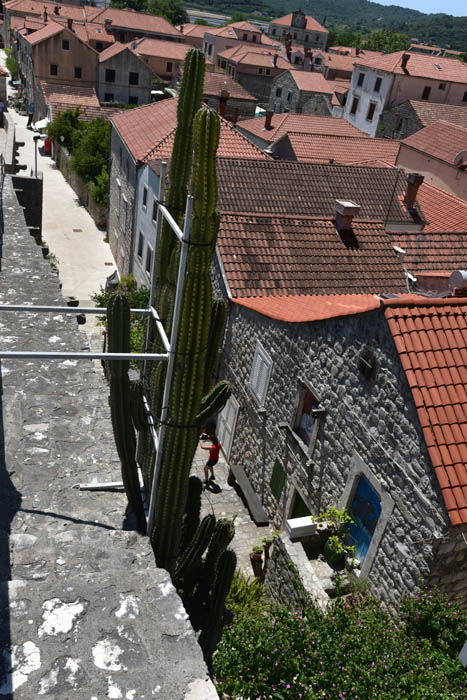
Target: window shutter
[(260, 373)]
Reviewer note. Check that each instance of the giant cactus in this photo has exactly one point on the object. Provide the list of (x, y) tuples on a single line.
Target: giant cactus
[(192, 346), (118, 328)]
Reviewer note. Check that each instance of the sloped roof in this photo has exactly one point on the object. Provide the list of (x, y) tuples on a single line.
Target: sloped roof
[(311, 24), (311, 82), (429, 112), (112, 51), (421, 66), (319, 148), (215, 82), (171, 50), (265, 59), (443, 211), (36, 7), (431, 339), (228, 32), (243, 47), (289, 188), (45, 32), (303, 123), (196, 30), (427, 252), (275, 255), (130, 19), (440, 140), (69, 94), (307, 308), (87, 112), (148, 133)]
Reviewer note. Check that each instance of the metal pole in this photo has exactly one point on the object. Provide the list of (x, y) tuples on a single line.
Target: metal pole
[(20, 355), (35, 158), (170, 366), (68, 309)]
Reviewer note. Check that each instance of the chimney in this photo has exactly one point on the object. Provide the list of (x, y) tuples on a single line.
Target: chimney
[(70, 24), (268, 120), (57, 9), (235, 115), (414, 180), (404, 61), (345, 212), (223, 97), (181, 29), (46, 17), (107, 23), (357, 51)]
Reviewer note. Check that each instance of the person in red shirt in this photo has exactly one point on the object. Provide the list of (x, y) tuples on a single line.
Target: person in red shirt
[(214, 448)]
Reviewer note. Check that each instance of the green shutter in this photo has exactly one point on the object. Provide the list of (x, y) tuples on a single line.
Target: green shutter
[(277, 480)]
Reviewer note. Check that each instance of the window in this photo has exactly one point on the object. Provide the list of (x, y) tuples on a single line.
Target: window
[(254, 37), (169, 67), (154, 209), (209, 49), (307, 417), (279, 92), (99, 46), (277, 480), (260, 374), (378, 82), (353, 109), (65, 44), (371, 111), (426, 93), (108, 97), (361, 78), (365, 511), (109, 75), (289, 96), (464, 99), (77, 71), (148, 260), (145, 196), (295, 35), (134, 78), (245, 37), (299, 508), (260, 71), (133, 100), (268, 71), (306, 38), (140, 245), (442, 86), (53, 69), (274, 31)]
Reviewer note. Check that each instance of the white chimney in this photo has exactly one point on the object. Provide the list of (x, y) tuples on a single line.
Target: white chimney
[(345, 212)]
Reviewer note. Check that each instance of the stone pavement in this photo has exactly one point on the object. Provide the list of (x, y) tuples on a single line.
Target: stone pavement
[(225, 501), (84, 612)]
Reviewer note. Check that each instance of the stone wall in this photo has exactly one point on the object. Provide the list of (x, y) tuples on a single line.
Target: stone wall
[(317, 104), (449, 572), (257, 85), (122, 184), (63, 160), (298, 101), (29, 193), (245, 108), (369, 428), (399, 122)]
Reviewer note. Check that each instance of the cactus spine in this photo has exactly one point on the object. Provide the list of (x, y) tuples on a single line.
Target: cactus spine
[(118, 326)]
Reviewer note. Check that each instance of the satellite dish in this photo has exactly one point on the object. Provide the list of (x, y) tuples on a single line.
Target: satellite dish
[(461, 158)]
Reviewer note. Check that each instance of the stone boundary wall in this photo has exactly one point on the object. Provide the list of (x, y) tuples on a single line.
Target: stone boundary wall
[(10, 145), (29, 191), (63, 160)]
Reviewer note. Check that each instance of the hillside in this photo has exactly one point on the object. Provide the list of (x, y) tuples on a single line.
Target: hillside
[(358, 15)]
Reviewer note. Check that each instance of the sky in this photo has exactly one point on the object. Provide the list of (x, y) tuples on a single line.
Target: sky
[(448, 7)]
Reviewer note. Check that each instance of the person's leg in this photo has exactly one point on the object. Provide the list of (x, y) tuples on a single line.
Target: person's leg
[(206, 471)]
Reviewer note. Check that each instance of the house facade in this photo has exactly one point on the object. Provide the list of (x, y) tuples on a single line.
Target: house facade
[(386, 81), (123, 77), (301, 92), (228, 97), (299, 28), (326, 411), (255, 69), (235, 35)]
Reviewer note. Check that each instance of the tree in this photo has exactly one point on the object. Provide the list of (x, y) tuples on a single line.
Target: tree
[(138, 5), (12, 67), (385, 40), (64, 127), (173, 12), (91, 148)]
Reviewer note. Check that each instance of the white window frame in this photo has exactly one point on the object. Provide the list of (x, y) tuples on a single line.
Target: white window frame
[(260, 374)]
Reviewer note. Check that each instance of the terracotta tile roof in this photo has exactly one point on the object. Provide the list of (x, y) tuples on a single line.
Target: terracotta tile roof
[(308, 81), (304, 123), (148, 133), (265, 59), (311, 24), (215, 82), (196, 30), (440, 140), (318, 148), (289, 188), (431, 339), (229, 32), (139, 21), (429, 112), (48, 30), (36, 7), (69, 94), (236, 51), (306, 308), (172, 50), (443, 211), (87, 112), (420, 66), (351, 51), (336, 61), (287, 255), (433, 251), (112, 51)]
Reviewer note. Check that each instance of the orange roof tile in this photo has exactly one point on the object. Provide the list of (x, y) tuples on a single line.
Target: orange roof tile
[(429, 112), (196, 30), (348, 150), (48, 30), (303, 123), (440, 140), (139, 21), (36, 7), (307, 308), (311, 82), (112, 51), (431, 339), (215, 82), (69, 94), (420, 66), (172, 50), (311, 24)]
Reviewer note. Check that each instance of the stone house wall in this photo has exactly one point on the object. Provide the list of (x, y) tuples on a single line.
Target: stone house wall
[(245, 108), (368, 428), (257, 85), (120, 209), (399, 122), (291, 99), (123, 63)]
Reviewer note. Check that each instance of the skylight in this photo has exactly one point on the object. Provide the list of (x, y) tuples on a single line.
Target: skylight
[(438, 66)]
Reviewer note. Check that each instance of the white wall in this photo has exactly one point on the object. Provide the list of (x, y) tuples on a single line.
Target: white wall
[(367, 95), (144, 222)]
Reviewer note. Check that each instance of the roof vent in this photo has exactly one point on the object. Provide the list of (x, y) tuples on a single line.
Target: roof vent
[(345, 212), (460, 160), (438, 67), (458, 279)]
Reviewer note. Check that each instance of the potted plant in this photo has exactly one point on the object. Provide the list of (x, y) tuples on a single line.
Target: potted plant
[(335, 551), (335, 548), (256, 558)]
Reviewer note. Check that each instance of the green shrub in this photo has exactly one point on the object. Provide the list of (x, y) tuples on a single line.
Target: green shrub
[(356, 651), (99, 188), (12, 66), (64, 127), (91, 149), (246, 596)]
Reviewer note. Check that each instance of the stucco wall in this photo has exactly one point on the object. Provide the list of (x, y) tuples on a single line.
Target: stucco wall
[(123, 64), (79, 55), (122, 178), (368, 428), (437, 172), (366, 95)]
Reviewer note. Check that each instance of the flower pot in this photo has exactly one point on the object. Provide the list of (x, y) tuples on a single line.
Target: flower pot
[(257, 565)]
